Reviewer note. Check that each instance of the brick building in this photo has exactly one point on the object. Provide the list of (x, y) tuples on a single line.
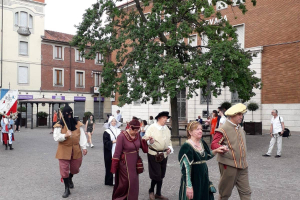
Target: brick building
[(67, 75), (271, 30)]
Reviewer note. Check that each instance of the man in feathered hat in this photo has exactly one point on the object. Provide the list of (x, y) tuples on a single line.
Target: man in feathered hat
[(160, 146), (70, 135), (233, 165)]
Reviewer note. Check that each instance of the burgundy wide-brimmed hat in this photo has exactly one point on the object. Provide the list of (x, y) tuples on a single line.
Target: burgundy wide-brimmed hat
[(163, 113)]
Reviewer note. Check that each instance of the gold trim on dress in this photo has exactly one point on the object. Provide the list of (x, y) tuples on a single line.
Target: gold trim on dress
[(199, 162)]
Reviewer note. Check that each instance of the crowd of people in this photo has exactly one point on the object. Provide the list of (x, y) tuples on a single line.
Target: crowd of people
[(123, 163)]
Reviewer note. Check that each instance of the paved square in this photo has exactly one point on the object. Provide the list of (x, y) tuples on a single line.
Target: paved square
[(31, 171)]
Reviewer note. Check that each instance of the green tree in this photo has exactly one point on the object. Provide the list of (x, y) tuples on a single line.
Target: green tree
[(150, 60)]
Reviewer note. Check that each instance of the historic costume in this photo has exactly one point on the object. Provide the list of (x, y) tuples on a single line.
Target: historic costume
[(5, 131), (124, 165), (110, 134), (69, 148), (233, 165), (195, 172), (162, 142), (11, 132)]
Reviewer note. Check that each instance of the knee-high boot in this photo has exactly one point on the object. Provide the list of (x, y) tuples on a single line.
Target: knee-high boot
[(5, 146), (70, 181), (10, 147), (67, 188)]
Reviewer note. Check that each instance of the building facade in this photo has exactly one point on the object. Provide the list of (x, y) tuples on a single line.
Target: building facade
[(67, 75), (271, 31)]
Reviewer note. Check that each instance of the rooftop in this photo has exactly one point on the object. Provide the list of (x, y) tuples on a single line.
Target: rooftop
[(57, 36)]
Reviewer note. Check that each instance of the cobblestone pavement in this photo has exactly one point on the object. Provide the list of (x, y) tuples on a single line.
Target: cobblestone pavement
[(31, 171)]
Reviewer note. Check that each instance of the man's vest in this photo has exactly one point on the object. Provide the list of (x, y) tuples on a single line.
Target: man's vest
[(235, 139), (70, 145)]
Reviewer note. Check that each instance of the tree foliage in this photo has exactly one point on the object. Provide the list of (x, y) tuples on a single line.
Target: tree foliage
[(149, 59)]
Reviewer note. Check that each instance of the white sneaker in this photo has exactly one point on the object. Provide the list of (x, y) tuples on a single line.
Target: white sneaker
[(92, 145), (87, 145)]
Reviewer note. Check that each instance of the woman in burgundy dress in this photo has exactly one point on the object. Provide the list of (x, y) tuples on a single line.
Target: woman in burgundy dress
[(124, 162)]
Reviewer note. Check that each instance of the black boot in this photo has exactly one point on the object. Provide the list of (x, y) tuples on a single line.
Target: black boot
[(70, 181), (6, 147), (67, 188), (10, 147)]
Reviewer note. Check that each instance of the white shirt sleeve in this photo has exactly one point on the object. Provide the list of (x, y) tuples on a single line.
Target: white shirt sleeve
[(83, 139), (281, 119), (58, 136), (172, 150)]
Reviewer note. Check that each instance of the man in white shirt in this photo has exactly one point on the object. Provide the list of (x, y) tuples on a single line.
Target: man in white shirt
[(276, 131), (158, 153), (119, 116)]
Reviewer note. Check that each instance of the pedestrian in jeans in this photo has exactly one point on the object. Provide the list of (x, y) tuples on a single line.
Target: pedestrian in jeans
[(276, 131)]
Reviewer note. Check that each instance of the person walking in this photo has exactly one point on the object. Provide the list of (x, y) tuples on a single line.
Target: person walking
[(144, 128), (110, 136), (11, 137), (276, 131), (158, 153), (192, 157), (213, 122), (4, 130), (233, 165), (54, 120), (222, 117), (119, 116), (70, 136), (89, 129), (124, 162), (151, 121), (18, 121)]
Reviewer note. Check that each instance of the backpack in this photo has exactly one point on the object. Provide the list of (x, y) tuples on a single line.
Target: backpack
[(286, 131)]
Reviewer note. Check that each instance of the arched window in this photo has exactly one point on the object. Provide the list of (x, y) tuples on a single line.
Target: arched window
[(23, 19)]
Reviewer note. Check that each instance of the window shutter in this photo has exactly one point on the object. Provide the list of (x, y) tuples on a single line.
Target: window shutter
[(17, 19), (23, 19), (23, 74), (30, 21), (24, 48), (240, 31)]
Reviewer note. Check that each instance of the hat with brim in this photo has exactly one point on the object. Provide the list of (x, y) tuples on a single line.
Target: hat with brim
[(107, 125), (237, 108), (161, 114)]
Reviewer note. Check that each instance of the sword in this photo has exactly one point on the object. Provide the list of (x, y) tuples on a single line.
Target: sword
[(64, 121)]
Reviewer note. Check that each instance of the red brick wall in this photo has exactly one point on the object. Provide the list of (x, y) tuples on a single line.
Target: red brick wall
[(48, 63), (281, 74), (272, 22)]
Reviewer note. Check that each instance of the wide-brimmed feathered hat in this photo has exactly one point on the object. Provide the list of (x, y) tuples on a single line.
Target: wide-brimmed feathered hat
[(163, 113), (237, 108)]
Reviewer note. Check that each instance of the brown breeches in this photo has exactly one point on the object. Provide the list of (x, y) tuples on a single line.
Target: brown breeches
[(69, 166), (230, 177)]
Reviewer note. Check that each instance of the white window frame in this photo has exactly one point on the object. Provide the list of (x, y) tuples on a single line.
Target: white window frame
[(62, 77), (96, 59), (95, 79), (28, 73), (20, 54), (62, 52), (77, 53), (237, 99), (244, 32), (189, 39), (17, 19), (83, 81)]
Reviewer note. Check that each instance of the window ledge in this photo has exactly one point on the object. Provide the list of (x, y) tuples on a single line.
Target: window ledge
[(79, 87), (24, 55), (58, 59), (58, 85), (78, 61)]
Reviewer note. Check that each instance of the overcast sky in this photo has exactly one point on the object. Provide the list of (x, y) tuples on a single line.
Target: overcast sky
[(62, 15)]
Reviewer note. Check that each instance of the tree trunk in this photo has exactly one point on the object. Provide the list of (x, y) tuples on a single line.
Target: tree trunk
[(174, 114)]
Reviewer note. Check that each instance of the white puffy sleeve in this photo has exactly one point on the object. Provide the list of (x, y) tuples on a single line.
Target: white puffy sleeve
[(58, 136), (83, 139)]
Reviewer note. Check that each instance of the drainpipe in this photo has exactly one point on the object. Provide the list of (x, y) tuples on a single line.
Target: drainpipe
[(2, 46), (70, 67)]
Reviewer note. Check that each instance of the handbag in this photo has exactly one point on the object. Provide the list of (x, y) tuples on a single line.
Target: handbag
[(286, 131), (139, 163)]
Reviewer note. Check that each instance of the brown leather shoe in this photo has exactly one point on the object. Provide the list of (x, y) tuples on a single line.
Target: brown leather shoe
[(151, 196), (161, 197)]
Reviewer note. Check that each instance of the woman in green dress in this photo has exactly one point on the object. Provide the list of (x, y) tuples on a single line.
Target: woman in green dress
[(192, 157)]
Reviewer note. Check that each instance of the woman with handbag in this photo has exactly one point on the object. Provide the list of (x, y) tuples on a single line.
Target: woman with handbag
[(109, 142), (126, 162), (193, 154)]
